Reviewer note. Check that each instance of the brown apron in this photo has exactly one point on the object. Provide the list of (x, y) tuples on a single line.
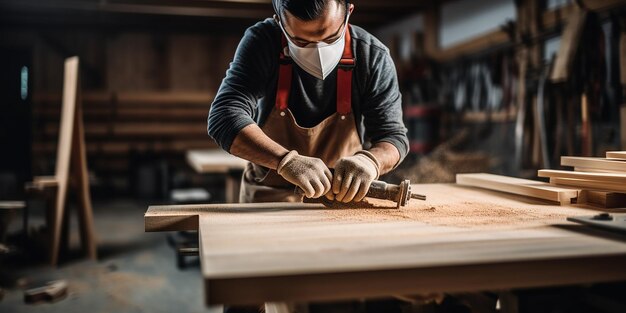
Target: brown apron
[(333, 138)]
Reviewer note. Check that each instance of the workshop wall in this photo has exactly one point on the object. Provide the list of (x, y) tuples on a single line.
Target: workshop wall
[(146, 96)]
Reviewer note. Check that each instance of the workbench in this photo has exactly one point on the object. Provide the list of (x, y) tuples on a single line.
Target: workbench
[(461, 239), (217, 161)]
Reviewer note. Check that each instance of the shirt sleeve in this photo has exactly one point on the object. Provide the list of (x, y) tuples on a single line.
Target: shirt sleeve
[(235, 104), (382, 110)]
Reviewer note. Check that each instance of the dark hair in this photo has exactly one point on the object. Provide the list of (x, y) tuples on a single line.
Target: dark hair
[(306, 10)]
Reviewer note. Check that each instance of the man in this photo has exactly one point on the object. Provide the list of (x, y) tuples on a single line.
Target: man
[(308, 92)]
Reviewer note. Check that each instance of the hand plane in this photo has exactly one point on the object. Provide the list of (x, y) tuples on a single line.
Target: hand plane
[(400, 194)]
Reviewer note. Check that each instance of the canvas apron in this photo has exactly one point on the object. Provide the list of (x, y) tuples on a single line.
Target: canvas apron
[(333, 138)]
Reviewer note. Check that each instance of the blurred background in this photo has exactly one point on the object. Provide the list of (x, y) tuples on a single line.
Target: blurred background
[(483, 91), (149, 71)]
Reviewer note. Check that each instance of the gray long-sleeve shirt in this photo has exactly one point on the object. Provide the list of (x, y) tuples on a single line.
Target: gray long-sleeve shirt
[(247, 93)]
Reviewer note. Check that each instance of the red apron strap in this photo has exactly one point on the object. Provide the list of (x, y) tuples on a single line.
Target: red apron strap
[(344, 77), (284, 78)]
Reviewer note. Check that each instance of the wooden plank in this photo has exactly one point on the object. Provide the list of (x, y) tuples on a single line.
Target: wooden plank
[(524, 187), (603, 199), (589, 184), (592, 170), (568, 46), (551, 18), (600, 177), (421, 280), (185, 217), (214, 161), (594, 163), (80, 179), (620, 155), (66, 136), (288, 252)]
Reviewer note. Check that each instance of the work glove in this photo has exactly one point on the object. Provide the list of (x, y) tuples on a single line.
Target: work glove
[(353, 177), (310, 174)]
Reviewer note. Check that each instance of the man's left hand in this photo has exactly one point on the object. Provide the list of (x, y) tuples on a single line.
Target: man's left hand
[(353, 177)]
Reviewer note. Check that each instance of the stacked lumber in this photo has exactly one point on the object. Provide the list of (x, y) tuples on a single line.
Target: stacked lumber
[(602, 180), (519, 186)]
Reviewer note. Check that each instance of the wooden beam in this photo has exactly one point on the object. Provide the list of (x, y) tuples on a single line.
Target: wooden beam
[(589, 184), (569, 45), (473, 45), (621, 155), (551, 18), (600, 177), (431, 31), (518, 186), (594, 163)]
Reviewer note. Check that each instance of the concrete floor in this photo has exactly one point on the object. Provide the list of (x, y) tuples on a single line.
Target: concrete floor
[(135, 272)]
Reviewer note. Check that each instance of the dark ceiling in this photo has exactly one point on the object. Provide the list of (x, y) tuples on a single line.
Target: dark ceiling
[(222, 15)]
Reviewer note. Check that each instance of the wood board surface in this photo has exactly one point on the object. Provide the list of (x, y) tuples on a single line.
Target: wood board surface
[(589, 184), (214, 161), (621, 155), (519, 186), (461, 239), (594, 163), (619, 178)]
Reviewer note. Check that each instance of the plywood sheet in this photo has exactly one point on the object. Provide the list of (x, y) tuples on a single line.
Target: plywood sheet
[(525, 187), (461, 239)]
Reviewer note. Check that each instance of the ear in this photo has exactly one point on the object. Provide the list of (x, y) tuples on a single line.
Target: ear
[(350, 8), (275, 17)]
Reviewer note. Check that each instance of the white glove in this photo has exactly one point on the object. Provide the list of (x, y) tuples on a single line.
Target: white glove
[(310, 174), (353, 177)]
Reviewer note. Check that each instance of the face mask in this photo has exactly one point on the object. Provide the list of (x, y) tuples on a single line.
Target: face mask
[(317, 59)]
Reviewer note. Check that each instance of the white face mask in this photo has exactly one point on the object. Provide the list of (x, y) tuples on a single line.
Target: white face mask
[(317, 59)]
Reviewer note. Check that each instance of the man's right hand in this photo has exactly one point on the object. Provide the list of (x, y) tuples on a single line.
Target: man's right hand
[(310, 174)]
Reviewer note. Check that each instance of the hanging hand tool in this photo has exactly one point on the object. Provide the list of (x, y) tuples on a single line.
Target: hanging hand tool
[(400, 194)]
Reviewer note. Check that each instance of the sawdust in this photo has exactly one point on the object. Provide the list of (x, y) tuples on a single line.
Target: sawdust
[(118, 285), (442, 210)]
